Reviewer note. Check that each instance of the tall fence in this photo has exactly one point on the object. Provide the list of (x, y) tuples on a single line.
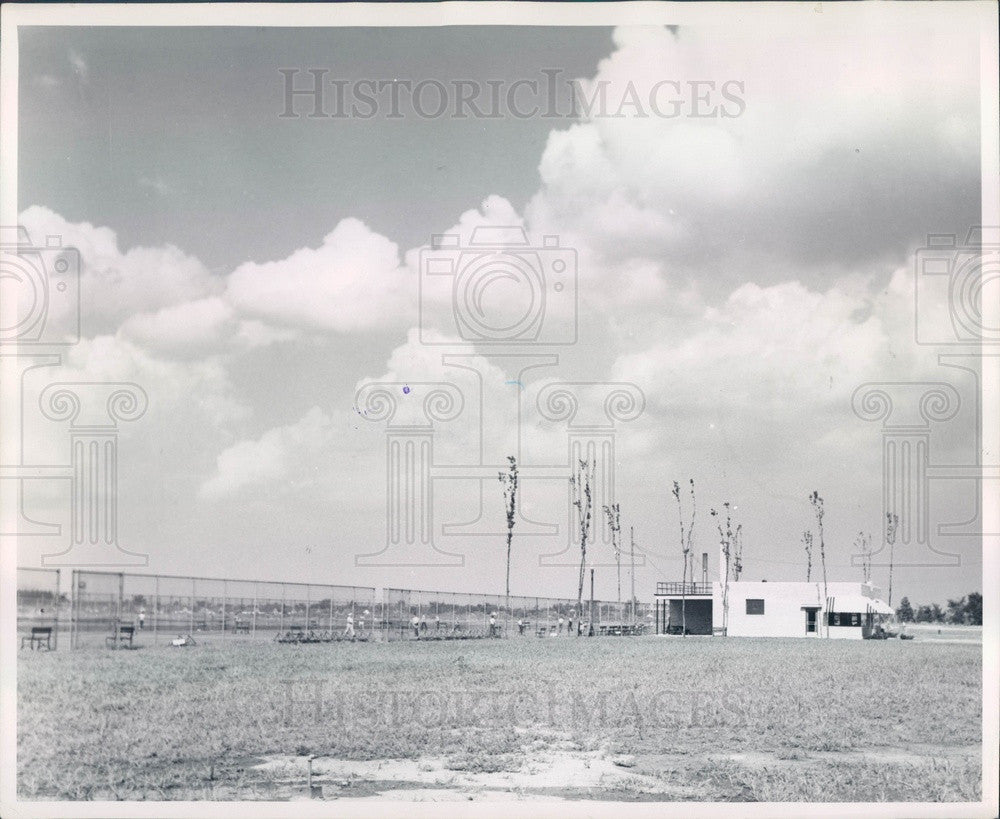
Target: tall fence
[(97, 604), (454, 614), (40, 603), (160, 607)]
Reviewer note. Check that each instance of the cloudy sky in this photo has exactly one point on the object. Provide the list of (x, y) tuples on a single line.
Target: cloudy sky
[(745, 269)]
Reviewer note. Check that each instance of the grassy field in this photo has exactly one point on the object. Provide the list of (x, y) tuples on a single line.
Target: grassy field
[(616, 718)]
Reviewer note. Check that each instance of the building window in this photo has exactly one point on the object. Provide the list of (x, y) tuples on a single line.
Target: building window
[(755, 606), (842, 618)]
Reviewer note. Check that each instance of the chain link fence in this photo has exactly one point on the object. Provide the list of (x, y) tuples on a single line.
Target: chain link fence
[(98, 605), (421, 614), (161, 607), (40, 605)]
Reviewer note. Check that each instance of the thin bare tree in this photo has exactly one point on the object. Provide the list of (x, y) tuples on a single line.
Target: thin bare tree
[(509, 481), (817, 504), (726, 541), (738, 552), (686, 545), (891, 526), (863, 543), (631, 572), (807, 541), (580, 484), (613, 514)]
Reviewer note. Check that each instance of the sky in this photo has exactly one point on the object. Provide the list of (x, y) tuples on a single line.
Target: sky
[(741, 267)]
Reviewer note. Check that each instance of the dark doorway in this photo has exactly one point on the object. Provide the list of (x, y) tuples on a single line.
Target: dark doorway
[(811, 620), (698, 614)]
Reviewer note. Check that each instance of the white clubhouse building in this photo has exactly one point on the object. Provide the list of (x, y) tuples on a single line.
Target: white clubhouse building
[(771, 609)]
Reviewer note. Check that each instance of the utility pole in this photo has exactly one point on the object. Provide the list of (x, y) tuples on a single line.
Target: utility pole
[(590, 629), (631, 574)]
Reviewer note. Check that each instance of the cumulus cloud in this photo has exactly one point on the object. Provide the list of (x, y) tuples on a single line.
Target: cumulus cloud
[(770, 349), (773, 190), (200, 326), (270, 459), (747, 272), (170, 303), (352, 282), (116, 284)]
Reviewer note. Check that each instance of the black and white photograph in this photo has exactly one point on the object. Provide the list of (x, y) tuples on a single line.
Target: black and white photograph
[(444, 409)]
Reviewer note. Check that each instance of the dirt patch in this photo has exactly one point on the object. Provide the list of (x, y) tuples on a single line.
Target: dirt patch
[(885, 755), (547, 774)]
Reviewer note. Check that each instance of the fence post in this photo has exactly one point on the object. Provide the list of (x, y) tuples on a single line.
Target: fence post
[(74, 613), (225, 596), (253, 616), (191, 616), (55, 606), (121, 596), (281, 617), (156, 609)]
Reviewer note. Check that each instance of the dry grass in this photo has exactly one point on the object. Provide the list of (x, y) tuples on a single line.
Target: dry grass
[(191, 723)]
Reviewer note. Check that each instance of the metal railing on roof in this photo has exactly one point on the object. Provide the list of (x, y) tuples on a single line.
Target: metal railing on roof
[(676, 588)]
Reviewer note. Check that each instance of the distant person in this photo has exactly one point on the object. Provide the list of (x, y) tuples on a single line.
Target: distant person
[(349, 631), (361, 622), (520, 626), (423, 623), (437, 623), (142, 619), (560, 625), (415, 623)]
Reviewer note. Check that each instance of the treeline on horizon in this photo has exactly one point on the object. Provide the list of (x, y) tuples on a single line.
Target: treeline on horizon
[(966, 611)]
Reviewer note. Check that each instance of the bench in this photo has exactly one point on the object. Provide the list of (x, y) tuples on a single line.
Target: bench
[(38, 636), (122, 636)]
